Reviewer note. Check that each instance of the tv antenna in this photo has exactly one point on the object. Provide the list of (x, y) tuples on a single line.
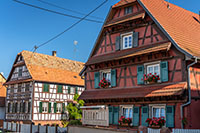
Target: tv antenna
[(75, 48)]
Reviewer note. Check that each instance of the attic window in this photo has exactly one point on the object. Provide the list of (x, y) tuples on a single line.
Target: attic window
[(128, 10)]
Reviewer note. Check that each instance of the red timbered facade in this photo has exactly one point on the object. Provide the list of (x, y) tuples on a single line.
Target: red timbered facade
[(40, 86), (141, 38)]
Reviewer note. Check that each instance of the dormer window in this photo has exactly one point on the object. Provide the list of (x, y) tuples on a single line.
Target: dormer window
[(128, 10)]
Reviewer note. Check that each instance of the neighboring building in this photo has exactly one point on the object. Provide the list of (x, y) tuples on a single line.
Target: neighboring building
[(144, 37), (40, 86), (2, 99)]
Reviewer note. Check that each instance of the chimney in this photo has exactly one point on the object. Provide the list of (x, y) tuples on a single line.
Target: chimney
[(54, 53)]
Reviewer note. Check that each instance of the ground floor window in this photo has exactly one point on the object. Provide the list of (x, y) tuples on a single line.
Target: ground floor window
[(127, 111), (157, 111), (59, 107), (44, 107)]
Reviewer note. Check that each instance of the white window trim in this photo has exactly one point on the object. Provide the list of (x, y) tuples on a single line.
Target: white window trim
[(151, 106), (152, 63), (105, 71), (46, 107), (125, 106), (59, 110), (122, 42)]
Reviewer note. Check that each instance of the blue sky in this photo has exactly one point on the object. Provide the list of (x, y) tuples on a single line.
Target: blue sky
[(22, 27)]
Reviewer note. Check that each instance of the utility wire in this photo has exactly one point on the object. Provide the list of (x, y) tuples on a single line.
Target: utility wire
[(72, 25), (77, 12), (41, 8)]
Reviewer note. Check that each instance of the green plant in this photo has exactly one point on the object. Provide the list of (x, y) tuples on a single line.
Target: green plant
[(75, 113), (184, 121), (75, 122), (65, 123), (104, 83), (156, 121), (124, 120), (151, 77)]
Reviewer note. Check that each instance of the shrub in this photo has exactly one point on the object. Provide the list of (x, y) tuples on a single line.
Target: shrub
[(75, 122)]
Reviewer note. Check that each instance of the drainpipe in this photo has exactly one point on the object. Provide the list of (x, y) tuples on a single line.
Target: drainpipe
[(189, 91)]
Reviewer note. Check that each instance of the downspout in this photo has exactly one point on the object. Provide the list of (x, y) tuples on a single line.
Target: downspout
[(189, 91)]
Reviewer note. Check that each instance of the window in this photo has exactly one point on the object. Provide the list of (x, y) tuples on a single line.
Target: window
[(153, 69), (128, 10), (44, 107), (127, 111), (59, 107), (127, 40), (20, 72), (19, 88), (9, 107), (29, 107), (106, 74), (72, 91), (27, 87), (157, 111)]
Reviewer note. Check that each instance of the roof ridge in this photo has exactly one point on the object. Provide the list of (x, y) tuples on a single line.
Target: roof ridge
[(51, 56), (182, 8)]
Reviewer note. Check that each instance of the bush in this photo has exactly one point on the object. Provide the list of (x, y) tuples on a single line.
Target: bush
[(75, 122), (65, 123)]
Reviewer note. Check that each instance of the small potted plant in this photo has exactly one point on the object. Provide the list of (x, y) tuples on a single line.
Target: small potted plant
[(124, 121), (156, 123), (151, 78), (104, 83)]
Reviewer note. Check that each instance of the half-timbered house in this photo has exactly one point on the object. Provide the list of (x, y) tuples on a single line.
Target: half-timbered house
[(2, 99), (138, 38), (40, 86)]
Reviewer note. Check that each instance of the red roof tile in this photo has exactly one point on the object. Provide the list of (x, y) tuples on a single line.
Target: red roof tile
[(180, 24), (139, 92)]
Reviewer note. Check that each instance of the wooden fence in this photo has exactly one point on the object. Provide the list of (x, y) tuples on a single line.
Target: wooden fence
[(29, 128)]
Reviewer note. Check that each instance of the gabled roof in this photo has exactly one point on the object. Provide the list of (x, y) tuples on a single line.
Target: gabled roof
[(52, 69), (180, 25), (2, 90)]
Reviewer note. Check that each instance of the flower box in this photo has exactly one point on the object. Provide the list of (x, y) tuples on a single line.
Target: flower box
[(124, 121), (156, 123), (104, 83), (151, 78), (155, 127)]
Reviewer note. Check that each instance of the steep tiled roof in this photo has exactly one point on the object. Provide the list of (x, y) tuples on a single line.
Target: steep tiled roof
[(53, 69), (2, 90), (181, 25), (138, 92)]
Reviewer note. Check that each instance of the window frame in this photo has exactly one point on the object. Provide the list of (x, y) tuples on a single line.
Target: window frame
[(105, 71), (20, 71), (122, 107), (46, 111), (146, 65), (127, 9), (122, 36), (57, 109), (151, 106)]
